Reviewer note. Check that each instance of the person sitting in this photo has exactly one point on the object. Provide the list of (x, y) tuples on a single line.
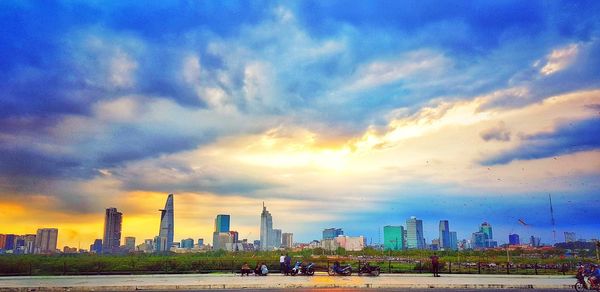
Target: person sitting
[(246, 269), (257, 270), (264, 270)]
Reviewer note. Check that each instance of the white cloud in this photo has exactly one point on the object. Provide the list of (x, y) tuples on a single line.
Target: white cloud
[(122, 69), (559, 59), (383, 72)]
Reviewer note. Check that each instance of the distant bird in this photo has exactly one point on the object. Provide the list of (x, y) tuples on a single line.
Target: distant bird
[(523, 222)]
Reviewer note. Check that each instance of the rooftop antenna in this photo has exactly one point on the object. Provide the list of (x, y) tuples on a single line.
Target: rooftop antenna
[(552, 218)]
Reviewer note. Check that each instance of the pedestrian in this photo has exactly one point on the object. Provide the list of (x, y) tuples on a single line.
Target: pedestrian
[(287, 261), (245, 269), (282, 264), (435, 265)]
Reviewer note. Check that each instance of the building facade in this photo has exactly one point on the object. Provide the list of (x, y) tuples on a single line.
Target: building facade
[(130, 243), (266, 229), (393, 237), (331, 233), (444, 239), (287, 240), (167, 225), (112, 230), (96, 247), (513, 239), (414, 233), (45, 240)]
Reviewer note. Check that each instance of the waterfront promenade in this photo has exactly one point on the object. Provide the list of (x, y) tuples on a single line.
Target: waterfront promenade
[(230, 281)]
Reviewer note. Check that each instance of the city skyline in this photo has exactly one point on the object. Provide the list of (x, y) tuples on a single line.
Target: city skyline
[(350, 116), (395, 237)]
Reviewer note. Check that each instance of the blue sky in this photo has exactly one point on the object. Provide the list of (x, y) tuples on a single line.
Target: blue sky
[(355, 116)]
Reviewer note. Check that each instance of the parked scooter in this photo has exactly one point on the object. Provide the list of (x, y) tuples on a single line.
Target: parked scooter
[(307, 270), (338, 269), (369, 270)]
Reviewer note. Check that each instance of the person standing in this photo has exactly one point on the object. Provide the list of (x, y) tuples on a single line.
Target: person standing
[(282, 264), (287, 262), (435, 265)]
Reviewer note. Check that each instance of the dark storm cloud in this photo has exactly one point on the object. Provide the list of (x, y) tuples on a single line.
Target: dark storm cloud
[(566, 139)]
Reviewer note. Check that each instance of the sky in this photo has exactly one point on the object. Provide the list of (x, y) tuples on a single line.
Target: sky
[(342, 114)]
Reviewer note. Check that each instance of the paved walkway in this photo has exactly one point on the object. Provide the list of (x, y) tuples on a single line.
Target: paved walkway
[(230, 281)]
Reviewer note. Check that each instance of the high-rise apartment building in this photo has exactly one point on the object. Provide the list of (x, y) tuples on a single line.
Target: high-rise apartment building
[(276, 238), (113, 220), (393, 237), (166, 232), (287, 240), (331, 233), (45, 240), (444, 240), (414, 233), (266, 230)]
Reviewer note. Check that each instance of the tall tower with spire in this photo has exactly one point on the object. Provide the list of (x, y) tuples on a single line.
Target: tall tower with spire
[(266, 229), (167, 226)]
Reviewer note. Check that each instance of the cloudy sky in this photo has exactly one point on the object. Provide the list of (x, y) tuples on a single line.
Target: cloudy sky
[(334, 113)]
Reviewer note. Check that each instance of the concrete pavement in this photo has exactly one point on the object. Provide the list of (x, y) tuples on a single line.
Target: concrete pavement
[(230, 281)]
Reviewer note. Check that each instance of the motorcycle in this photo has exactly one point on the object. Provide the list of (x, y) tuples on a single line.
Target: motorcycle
[(338, 269), (307, 270), (582, 284), (369, 270)]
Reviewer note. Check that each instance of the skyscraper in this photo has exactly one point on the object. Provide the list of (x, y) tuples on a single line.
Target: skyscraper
[(393, 237), (444, 242), (331, 233), (45, 240), (486, 229), (222, 223), (276, 238), (478, 240), (414, 233), (287, 240), (112, 230), (221, 226), (9, 242), (453, 240), (167, 225), (513, 239), (266, 229)]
